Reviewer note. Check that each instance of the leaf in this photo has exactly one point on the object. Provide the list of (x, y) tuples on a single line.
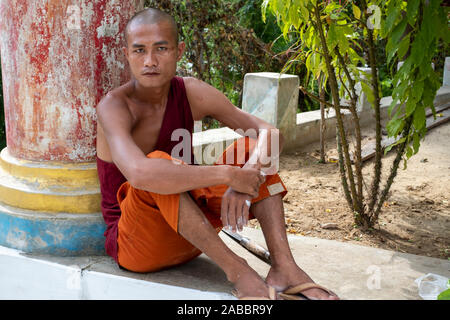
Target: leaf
[(286, 30), (416, 142), (410, 107), (418, 49), (332, 37), (368, 91), (343, 42), (409, 152), (394, 126), (304, 11), (399, 141), (403, 47), (356, 11), (419, 118), (264, 10), (444, 295), (417, 91), (391, 106), (294, 17), (411, 10), (393, 41), (393, 12)]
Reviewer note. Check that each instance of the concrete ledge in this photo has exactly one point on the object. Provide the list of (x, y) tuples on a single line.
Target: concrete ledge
[(42, 277), (352, 271)]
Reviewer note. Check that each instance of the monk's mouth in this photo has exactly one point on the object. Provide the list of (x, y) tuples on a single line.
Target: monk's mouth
[(150, 74)]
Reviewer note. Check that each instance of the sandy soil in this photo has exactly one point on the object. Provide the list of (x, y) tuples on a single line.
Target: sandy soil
[(415, 218)]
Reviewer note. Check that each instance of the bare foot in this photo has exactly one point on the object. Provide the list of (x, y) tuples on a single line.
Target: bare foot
[(282, 279), (248, 283)]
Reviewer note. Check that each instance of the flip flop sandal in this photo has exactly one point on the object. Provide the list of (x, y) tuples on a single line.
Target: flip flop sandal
[(272, 295), (295, 293)]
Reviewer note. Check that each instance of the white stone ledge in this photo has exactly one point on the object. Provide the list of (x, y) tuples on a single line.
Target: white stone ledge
[(27, 278)]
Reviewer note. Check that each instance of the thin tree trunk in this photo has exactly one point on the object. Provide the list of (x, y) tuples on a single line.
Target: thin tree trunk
[(378, 152), (357, 153), (335, 93), (342, 170), (322, 118), (400, 151)]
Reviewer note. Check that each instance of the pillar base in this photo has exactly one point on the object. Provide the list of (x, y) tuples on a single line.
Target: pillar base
[(49, 186), (50, 207)]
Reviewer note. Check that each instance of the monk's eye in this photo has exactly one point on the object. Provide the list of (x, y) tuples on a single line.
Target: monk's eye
[(162, 48), (140, 50)]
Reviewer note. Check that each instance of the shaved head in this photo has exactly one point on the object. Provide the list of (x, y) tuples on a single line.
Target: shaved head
[(151, 16)]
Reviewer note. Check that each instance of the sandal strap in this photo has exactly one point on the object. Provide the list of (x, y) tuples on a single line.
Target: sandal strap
[(305, 286)]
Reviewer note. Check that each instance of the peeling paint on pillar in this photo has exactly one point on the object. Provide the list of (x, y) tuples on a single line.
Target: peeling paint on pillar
[(54, 76)]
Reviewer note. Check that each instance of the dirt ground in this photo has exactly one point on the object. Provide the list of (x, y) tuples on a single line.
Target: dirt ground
[(415, 218)]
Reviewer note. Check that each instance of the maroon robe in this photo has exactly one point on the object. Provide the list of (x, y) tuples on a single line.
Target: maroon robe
[(177, 115)]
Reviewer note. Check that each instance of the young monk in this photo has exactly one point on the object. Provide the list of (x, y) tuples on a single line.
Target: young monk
[(163, 211)]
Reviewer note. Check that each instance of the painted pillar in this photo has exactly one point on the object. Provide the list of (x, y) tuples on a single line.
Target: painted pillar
[(58, 60)]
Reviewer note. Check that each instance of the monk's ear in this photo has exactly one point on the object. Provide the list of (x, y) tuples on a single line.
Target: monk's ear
[(125, 51), (181, 48)]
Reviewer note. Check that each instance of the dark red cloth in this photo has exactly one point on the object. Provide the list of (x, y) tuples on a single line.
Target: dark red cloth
[(177, 115)]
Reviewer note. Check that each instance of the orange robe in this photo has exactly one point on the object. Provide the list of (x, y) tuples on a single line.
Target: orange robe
[(148, 239)]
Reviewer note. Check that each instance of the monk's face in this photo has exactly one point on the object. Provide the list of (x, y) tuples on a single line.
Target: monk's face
[(153, 52)]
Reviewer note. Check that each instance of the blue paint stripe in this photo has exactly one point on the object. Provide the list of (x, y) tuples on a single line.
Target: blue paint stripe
[(61, 237)]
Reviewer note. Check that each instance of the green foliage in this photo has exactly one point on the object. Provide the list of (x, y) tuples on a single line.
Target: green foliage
[(250, 17), (409, 29), (336, 38), (415, 83)]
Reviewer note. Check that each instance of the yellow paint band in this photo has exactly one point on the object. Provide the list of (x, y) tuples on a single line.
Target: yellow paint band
[(72, 175), (47, 202), (49, 186)]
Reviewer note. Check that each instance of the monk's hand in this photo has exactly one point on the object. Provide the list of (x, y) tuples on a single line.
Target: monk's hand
[(246, 180), (235, 209)]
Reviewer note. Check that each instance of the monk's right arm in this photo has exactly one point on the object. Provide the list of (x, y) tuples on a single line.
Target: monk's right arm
[(164, 177), (155, 175)]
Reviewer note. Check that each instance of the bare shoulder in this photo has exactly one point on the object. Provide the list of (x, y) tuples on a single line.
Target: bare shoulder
[(114, 99), (203, 98), (197, 89), (114, 120), (113, 108)]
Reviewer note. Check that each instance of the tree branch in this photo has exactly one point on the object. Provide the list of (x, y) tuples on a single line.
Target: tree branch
[(309, 94)]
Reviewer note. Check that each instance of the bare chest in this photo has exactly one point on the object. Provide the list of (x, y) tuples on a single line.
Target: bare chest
[(146, 131)]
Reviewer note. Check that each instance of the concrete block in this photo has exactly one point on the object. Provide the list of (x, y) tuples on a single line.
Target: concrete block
[(399, 65), (363, 103), (210, 144), (273, 97), (446, 78), (198, 126)]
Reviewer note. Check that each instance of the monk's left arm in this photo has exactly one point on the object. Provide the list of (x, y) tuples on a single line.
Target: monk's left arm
[(205, 100)]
